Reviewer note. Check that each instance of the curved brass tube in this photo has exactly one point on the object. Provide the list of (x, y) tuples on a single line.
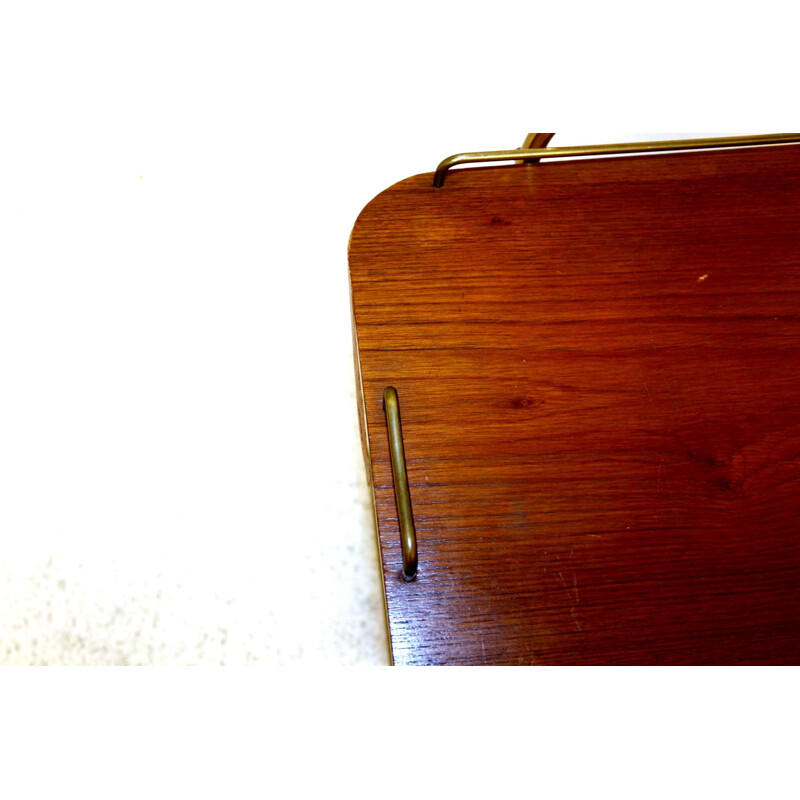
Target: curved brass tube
[(609, 149), (408, 535)]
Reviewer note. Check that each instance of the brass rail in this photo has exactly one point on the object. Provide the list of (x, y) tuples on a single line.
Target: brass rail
[(527, 155), (408, 535)]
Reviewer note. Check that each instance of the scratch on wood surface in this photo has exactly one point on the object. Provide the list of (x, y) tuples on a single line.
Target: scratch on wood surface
[(576, 598), (575, 620)]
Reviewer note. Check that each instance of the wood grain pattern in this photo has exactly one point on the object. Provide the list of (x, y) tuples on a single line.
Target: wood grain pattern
[(597, 366)]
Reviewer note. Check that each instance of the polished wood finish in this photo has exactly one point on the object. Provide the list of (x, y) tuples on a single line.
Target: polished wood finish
[(597, 365)]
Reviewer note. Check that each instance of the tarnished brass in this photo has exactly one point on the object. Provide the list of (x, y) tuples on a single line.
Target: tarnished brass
[(607, 149), (408, 535)]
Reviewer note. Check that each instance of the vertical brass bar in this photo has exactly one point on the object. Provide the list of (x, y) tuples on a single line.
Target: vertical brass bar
[(408, 535)]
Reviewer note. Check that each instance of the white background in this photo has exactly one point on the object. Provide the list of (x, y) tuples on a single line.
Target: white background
[(180, 478)]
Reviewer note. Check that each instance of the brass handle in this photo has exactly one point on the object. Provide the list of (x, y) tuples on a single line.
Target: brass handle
[(535, 141), (608, 149), (408, 536)]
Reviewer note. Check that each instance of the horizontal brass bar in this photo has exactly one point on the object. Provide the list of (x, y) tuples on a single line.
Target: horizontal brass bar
[(408, 534), (610, 149)]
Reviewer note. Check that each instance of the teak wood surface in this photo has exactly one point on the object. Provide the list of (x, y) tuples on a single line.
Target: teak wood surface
[(597, 370)]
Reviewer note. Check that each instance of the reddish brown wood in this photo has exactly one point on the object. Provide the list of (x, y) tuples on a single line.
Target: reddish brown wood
[(597, 365)]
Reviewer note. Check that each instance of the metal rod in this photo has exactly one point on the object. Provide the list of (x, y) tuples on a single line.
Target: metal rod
[(535, 141), (610, 149), (408, 535)]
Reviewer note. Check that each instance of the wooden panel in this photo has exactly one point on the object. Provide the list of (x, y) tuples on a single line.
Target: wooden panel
[(597, 365)]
